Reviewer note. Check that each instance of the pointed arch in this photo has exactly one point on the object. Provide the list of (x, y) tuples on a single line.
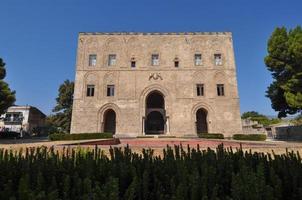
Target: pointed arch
[(210, 116), (102, 115)]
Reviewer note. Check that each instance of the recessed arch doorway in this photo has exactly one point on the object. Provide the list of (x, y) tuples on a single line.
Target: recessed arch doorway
[(201, 121), (109, 121), (155, 121)]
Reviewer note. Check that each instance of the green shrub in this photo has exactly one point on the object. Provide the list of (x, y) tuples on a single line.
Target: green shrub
[(211, 135), (145, 136), (166, 136), (80, 136), (179, 173), (253, 137)]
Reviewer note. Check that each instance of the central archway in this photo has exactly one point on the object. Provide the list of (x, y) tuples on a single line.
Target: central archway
[(155, 113)]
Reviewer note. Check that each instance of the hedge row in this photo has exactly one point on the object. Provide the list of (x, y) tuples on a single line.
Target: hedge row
[(80, 136), (41, 174), (253, 137), (211, 135)]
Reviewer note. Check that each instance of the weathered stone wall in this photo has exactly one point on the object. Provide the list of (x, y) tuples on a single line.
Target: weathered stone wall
[(178, 85)]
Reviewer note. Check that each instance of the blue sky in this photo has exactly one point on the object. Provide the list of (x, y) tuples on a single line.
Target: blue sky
[(38, 38)]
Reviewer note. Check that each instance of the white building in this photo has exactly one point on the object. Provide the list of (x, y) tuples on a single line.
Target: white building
[(22, 118)]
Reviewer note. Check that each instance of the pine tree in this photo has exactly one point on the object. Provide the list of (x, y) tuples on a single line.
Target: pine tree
[(284, 60), (7, 97)]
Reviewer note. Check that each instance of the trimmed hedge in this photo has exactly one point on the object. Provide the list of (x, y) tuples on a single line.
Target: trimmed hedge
[(145, 136), (211, 135), (253, 137), (80, 136), (178, 174)]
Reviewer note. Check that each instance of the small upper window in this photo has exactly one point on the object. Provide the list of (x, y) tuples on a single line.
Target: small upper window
[(111, 60), (90, 91), (220, 89), (198, 59), (155, 59), (218, 59), (92, 60), (176, 62), (110, 90), (133, 63), (199, 89)]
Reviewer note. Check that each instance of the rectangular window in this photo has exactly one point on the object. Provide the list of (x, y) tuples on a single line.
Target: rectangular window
[(15, 117), (133, 64), (8, 117), (90, 91), (200, 89), (220, 89), (176, 63), (155, 59), (218, 59), (198, 59), (111, 59), (110, 90), (92, 60)]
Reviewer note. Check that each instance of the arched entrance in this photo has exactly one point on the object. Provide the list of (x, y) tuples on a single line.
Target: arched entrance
[(109, 121), (155, 113), (201, 121)]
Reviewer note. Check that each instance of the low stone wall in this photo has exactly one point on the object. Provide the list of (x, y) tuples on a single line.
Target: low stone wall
[(289, 133)]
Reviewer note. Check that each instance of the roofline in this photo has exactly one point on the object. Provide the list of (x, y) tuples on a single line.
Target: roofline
[(155, 33), (28, 107)]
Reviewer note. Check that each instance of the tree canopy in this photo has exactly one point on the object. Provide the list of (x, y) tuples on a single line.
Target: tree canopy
[(284, 60), (61, 119), (7, 97), (260, 118), (297, 121)]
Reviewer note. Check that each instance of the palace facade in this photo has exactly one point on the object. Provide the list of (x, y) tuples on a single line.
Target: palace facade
[(135, 84)]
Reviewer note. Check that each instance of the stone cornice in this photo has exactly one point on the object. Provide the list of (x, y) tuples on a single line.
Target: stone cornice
[(155, 33)]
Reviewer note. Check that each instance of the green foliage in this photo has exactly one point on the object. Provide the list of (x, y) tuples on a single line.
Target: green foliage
[(80, 136), (41, 173), (253, 137), (211, 135), (61, 119), (297, 121), (284, 60), (251, 114), (7, 97), (261, 119)]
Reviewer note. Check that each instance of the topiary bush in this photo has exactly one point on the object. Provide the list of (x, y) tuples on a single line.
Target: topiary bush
[(80, 136), (253, 137), (211, 135)]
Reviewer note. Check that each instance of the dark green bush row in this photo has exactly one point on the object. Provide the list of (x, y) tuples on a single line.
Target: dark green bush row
[(254, 137), (145, 136), (81, 136), (211, 135), (178, 174)]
